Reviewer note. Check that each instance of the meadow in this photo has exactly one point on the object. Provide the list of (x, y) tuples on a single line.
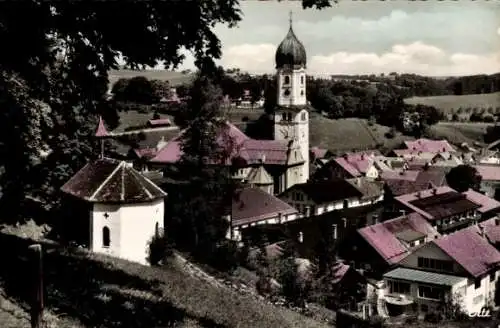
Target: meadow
[(174, 78), (449, 104)]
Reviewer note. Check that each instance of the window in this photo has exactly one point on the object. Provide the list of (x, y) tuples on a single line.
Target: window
[(289, 116), (303, 117), (431, 293), (434, 264), (334, 231), (302, 79), (287, 79), (286, 93), (157, 229), (301, 92), (492, 276), (346, 203), (397, 287), (283, 117), (105, 237), (477, 283)]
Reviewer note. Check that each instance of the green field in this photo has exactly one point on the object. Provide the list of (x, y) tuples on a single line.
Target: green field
[(450, 103), (459, 132), (174, 78)]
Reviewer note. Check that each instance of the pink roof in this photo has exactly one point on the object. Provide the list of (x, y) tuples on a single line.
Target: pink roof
[(469, 250), (491, 229), (382, 236), (431, 146), (489, 172), (319, 152), (487, 203), (400, 175), (407, 198), (250, 150), (101, 129), (339, 270), (161, 121), (356, 164)]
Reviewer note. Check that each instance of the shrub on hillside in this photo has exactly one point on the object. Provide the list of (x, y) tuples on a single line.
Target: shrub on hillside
[(159, 249)]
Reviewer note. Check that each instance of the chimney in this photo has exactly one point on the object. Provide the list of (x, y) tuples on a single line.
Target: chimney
[(263, 158), (419, 194), (280, 217), (434, 191), (375, 219), (308, 211), (358, 181)]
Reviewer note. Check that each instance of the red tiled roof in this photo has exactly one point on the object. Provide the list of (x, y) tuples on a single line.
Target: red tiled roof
[(382, 236), (489, 172), (110, 181), (425, 179), (469, 250), (250, 150), (487, 203), (101, 129), (318, 152), (406, 175), (430, 146), (253, 205), (491, 229)]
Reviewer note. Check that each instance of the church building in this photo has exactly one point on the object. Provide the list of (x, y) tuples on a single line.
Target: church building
[(272, 165)]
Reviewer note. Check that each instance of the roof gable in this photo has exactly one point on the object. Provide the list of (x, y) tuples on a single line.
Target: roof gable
[(326, 191)]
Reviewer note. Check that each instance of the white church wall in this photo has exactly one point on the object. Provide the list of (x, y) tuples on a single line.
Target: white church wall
[(138, 227), (104, 215)]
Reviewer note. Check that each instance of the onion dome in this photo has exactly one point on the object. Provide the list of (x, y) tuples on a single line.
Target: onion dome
[(291, 52)]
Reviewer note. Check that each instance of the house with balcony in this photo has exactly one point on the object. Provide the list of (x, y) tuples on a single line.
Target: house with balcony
[(461, 266), (318, 197), (446, 209), (379, 247)]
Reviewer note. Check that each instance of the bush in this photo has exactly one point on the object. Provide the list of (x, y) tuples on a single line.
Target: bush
[(159, 249)]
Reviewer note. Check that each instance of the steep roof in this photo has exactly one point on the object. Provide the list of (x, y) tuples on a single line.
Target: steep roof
[(368, 188), (101, 129), (253, 204), (428, 145), (110, 181), (383, 237), (327, 191), (412, 181), (259, 176), (251, 151), (469, 250)]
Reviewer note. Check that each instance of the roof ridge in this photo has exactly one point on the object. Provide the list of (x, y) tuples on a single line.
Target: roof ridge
[(138, 178), (105, 182)]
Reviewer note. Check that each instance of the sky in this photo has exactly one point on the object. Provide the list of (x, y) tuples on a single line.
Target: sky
[(433, 38)]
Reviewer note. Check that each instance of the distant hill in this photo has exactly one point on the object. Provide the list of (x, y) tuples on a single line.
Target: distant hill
[(174, 78), (448, 103)]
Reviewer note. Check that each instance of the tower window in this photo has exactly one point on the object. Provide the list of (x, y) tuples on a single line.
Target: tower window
[(287, 92), (105, 237), (301, 92), (283, 117), (289, 116), (287, 79), (303, 117), (302, 79)]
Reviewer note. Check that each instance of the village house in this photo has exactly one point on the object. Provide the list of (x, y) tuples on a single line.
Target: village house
[(448, 210), (124, 209), (379, 247), (490, 230), (350, 165), (318, 197), (252, 206), (490, 179), (428, 146), (462, 267)]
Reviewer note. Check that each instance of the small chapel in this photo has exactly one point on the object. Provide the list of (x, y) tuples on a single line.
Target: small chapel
[(278, 164)]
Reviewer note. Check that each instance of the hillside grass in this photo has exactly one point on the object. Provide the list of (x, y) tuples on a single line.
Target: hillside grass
[(174, 78), (101, 291), (457, 133), (451, 103)]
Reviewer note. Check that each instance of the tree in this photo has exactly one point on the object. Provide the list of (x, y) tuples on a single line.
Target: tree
[(51, 87), (294, 287), (199, 207), (464, 177), (141, 90), (119, 89)]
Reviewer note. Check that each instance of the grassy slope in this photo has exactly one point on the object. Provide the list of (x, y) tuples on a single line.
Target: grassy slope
[(106, 292), (448, 103), (459, 132)]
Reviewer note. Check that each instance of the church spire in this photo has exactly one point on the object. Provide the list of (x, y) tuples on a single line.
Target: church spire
[(290, 18)]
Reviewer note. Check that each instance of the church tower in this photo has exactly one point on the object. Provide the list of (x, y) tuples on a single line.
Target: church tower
[(291, 118)]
